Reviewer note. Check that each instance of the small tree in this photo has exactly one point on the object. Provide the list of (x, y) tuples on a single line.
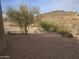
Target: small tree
[(22, 17)]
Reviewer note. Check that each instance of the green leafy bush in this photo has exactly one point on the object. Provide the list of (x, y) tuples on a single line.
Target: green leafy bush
[(56, 27), (46, 26), (63, 30)]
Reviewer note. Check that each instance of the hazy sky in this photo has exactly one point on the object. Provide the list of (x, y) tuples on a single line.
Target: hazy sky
[(45, 5)]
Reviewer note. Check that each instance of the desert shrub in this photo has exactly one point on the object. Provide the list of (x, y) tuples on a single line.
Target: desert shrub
[(56, 27), (23, 17), (46, 26), (64, 30)]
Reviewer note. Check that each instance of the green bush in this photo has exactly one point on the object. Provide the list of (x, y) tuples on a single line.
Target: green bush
[(46, 26), (56, 27), (63, 30)]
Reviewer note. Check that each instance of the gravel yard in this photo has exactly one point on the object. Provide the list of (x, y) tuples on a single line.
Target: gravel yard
[(40, 46)]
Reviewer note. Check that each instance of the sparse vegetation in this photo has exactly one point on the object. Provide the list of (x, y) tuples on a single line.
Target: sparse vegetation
[(22, 17), (46, 26), (59, 28), (56, 25)]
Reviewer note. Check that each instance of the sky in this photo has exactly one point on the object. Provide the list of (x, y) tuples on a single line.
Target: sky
[(44, 5)]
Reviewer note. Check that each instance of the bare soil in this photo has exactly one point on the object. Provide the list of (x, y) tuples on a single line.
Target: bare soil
[(40, 46)]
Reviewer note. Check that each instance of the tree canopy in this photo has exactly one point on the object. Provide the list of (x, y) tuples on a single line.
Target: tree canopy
[(23, 17)]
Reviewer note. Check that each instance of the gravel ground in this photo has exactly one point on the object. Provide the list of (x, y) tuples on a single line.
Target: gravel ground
[(44, 46)]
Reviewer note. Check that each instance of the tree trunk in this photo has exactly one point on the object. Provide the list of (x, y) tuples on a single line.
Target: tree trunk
[(25, 30), (2, 41), (1, 23)]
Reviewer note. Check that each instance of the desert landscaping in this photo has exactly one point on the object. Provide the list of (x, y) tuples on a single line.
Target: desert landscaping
[(69, 19), (39, 46), (28, 33)]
